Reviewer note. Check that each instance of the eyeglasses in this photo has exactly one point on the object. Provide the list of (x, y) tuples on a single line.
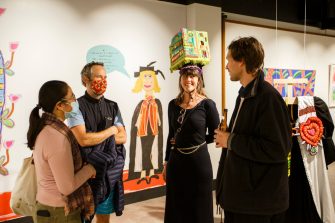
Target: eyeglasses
[(73, 98), (181, 116)]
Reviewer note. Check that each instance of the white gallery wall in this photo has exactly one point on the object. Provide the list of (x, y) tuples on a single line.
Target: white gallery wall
[(288, 51), (55, 35)]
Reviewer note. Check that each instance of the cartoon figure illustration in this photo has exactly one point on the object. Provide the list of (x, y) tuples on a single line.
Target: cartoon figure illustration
[(5, 113), (146, 142)]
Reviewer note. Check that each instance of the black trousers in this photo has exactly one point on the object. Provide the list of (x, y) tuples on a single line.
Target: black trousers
[(230, 217)]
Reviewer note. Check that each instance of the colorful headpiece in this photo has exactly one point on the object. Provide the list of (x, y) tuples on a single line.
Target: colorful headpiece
[(185, 68), (189, 47)]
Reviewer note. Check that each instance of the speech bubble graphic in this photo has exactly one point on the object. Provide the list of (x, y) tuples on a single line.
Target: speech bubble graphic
[(110, 56)]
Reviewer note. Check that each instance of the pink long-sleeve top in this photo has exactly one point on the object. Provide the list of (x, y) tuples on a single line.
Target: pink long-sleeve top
[(54, 168)]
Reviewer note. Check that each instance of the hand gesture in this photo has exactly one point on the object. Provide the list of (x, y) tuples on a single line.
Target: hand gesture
[(221, 138)]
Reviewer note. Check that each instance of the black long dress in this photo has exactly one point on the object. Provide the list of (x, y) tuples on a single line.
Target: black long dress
[(189, 176)]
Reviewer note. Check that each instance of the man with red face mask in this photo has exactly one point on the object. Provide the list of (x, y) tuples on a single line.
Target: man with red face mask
[(99, 129)]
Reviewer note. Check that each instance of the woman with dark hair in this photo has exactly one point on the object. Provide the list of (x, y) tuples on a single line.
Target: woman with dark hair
[(188, 170), (62, 192)]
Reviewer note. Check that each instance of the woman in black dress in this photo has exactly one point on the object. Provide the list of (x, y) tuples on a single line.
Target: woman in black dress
[(188, 170)]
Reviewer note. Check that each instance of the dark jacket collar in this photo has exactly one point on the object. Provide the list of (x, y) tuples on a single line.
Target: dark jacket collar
[(93, 100), (251, 89)]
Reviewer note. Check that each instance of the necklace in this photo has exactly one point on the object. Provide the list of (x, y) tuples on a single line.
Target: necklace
[(192, 102)]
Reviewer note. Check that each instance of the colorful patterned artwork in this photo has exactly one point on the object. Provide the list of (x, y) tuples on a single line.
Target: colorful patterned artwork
[(6, 111), (189, 46), (7, 105), (298, 89), (331, 99)]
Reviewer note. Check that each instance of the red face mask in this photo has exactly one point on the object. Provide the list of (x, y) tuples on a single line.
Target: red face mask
[(99, 86)]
